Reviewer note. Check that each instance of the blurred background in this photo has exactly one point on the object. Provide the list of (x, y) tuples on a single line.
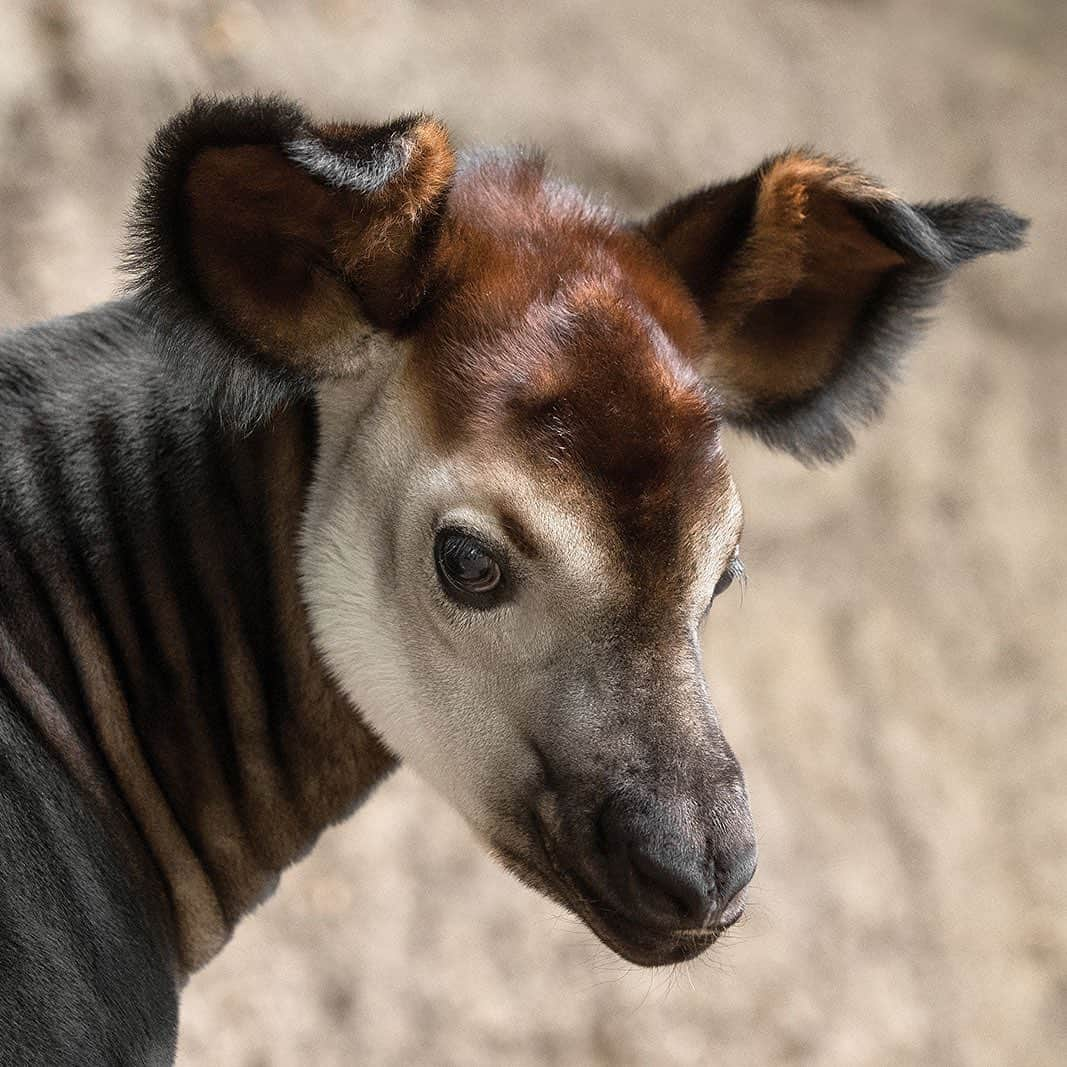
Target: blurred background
[(894, 682)]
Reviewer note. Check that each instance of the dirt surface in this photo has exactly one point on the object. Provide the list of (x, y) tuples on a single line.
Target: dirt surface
[(894, 681)]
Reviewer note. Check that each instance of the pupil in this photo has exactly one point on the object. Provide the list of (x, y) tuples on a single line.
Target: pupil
[(466, 565), (470, 564), (468, 570)]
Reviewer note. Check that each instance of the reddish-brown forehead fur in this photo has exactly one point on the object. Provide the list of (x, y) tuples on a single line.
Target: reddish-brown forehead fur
[(562, 337)]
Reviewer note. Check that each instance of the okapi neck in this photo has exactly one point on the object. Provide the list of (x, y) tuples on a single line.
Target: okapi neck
[(173, 645), (278, 754)]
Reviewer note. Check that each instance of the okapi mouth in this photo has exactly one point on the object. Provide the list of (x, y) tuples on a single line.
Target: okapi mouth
[(538, 866)]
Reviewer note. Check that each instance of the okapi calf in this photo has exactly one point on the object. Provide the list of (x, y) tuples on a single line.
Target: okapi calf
[(393, 457)]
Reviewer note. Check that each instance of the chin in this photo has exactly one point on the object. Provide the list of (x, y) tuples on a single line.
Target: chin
[(647, 948), (634, 942)]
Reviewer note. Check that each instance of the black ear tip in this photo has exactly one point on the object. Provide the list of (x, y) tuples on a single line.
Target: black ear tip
[(1015, 228), (1006, 230), (977, 227), (155, 224), (223, 120)]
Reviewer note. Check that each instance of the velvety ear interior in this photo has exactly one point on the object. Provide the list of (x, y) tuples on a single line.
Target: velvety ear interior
[(269, 249), (811, 279)]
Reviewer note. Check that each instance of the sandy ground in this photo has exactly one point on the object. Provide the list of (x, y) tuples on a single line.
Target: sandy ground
[(894, 682)]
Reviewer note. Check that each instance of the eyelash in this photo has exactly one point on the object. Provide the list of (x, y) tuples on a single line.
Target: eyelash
[(734, 572), (737, 572)]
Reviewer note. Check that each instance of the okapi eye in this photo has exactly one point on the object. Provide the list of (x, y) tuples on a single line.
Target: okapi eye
[(734, 569), (467, 569), (723, 583)]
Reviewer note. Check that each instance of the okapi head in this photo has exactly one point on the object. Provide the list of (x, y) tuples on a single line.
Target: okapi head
[(521, 510)]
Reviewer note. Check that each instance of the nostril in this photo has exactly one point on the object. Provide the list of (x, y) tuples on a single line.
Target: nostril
[(682, 887), (664, 876)]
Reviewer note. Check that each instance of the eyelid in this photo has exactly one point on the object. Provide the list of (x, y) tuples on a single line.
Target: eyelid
[(493, 543)]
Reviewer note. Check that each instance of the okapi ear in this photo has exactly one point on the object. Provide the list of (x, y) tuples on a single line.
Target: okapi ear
[(812, 279), (269, 250)]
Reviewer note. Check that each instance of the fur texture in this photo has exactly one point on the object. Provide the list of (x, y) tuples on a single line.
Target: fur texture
[(813, 280), (238, 192), (221, 623)]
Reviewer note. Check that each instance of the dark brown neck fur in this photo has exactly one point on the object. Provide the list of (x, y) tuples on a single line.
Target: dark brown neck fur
[(152, 618)]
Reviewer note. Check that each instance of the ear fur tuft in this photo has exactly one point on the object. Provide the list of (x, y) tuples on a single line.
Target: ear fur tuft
[(267, 250), (813, 281)]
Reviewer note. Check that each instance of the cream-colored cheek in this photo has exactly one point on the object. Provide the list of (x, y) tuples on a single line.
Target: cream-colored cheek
[(365, 624)]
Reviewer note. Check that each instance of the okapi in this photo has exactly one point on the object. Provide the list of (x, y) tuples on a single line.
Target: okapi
[(392, 456)]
